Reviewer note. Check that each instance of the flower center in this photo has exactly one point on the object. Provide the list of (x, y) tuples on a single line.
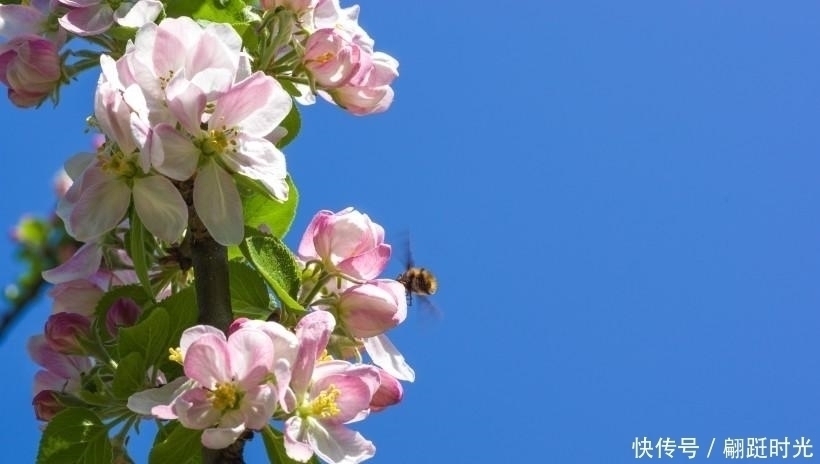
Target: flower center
[(217, 142), (118, 164), (324, 405), (225, 396), (324, 57)]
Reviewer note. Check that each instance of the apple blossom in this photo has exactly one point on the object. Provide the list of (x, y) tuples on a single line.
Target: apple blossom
[(32, 18), (30, 67), (93, 17), (230, 393), (332, 59), (325, 396), (347, 242), (370, 92)]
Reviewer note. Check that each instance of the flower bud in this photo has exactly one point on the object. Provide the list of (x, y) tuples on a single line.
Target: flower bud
[(390, 392), (123, 313), (30, 67), (65, 331), (347, 242), (373, 308), (46, 405)]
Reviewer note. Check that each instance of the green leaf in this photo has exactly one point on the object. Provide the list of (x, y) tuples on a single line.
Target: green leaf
[(249, 294), (150, 337), (220, 11), (182, 313), (275, 447), (177, 445), (292, 123), (130, 375), (136, 250), (277, 265), (75, 436), (259, 208)]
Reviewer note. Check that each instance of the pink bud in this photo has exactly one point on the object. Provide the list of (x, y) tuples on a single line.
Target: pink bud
[(369, 92), (123, 313), (390, 392), (333, 59), (372, 309), (46, 405), (348, 242), (30, 67), (65, 331)]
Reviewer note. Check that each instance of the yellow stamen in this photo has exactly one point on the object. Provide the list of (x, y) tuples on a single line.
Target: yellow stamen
[(324, 405), (176, 355), (226, 396)]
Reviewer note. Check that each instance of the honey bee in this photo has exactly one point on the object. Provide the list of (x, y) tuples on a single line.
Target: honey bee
[(418, 281)]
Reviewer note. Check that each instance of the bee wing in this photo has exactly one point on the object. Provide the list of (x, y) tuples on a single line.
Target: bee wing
[(429, 311), (405, 255)]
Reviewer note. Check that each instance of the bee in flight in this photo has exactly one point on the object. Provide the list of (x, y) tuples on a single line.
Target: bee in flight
[(418, 281)]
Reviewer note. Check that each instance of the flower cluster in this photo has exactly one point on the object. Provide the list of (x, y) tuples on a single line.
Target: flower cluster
[(194, 109)]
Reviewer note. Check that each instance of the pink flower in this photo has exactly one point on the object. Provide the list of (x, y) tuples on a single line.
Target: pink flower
[(82, 264), (30, 67), (231, 393), (31, 19), (347, 242), (370, 309), (370, 92), (332, 59), (65, 332), (326, 396), (93, 17), (330, 14)]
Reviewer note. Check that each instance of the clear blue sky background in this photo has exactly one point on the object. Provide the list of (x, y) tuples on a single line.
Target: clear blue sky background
[(621, 201)]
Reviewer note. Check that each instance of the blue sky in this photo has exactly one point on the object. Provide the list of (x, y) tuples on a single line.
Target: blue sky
[(620, 200)]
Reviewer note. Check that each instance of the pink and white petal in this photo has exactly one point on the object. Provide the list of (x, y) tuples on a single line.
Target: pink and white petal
[(307, 247), (354, 397), (194, 410), (208, 361), (259, 159), (296, 445), (80, 3), (144, 402), (368, 265), (385, 355), (138, 15), (217, 202), (17, 20), (251, 354), (160, 207), (258, 406), (101, 208), (221, 437), (338, 444), (313, 332), (173, 154), (257, 105), (84, 263), (77, 164), (186, 102), (93, 20), (194, 333)]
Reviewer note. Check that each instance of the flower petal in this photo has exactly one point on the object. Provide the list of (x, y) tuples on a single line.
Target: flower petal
[(338, 444), (217, 203), (208, 361), (385, 355), (160, 207)]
